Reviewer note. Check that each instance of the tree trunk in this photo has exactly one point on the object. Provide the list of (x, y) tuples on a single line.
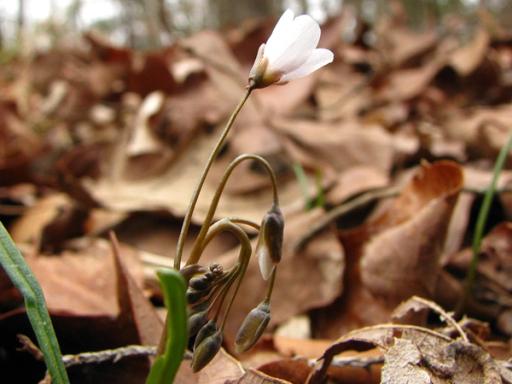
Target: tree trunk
[(20, 26), (233, 12)]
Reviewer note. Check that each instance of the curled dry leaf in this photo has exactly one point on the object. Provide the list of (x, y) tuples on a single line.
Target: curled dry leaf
[(403, 258), (380, 254), (143, 140), (417, 353), (81, 282), (477, 126)]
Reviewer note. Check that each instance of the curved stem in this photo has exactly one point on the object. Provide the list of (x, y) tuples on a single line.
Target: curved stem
[(243, 258), (195, 254), (249, 223), (243, 268), (222, 295), (270, 286), (188, 216)]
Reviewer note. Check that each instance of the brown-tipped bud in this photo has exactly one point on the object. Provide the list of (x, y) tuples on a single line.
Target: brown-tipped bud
[(270, 242), (206, 351), (196, 322), (206, 331), (253, 327), (215, 271)]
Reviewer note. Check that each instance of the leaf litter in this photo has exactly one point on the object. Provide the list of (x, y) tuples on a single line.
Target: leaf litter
[(399, 134)]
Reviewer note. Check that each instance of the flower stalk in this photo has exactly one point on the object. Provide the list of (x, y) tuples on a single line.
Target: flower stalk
[(289, 53), (190, 210)]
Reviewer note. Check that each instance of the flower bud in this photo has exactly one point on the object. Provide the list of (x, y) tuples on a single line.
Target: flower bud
[(194, 296), (252, 327), (206, 351), (270, 242), (206, 331), (215, 271), (196, 321), (200, 282)]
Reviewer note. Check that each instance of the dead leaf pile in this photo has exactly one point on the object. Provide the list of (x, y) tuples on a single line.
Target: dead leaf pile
[(397, 139)]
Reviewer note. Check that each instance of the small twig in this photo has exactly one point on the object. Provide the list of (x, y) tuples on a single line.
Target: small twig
[(444, 315), (28, 346), (12, 210), (362, 200), (351, 361), (343, 209), (114, 355)]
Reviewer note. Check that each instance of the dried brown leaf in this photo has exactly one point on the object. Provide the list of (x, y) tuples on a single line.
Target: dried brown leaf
[(403, 259)]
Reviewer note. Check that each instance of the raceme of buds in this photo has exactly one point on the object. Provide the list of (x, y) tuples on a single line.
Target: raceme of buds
[(252, 327), (200, 285), (290, 52), (270, 241)]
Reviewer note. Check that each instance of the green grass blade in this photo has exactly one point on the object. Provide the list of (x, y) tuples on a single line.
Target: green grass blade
[(303, 185), (481, 221), (320, 200), (20, 274), (165, 367)]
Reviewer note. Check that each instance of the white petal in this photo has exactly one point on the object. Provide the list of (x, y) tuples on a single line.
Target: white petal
[(317, 59), (264, 261), (274, 42), (297, 45)]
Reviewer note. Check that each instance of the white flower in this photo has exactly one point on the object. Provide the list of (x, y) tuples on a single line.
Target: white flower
[(290, 52)]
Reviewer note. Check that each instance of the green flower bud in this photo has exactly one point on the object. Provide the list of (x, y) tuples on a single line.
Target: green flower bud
[(206, 351), (196, 322), (270, 241), (252, 327), (206, 331)]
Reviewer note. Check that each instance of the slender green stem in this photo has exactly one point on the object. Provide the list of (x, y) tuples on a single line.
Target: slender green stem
[(195, 254), (188, 216), (249, 223), (243, 259), (244, 256), (481, 222), (222, 295), (226, 225), (270, 286), (221, 289), (22, 277)]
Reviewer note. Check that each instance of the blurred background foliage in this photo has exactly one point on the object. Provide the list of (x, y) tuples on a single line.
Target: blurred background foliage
[(149, 24)]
